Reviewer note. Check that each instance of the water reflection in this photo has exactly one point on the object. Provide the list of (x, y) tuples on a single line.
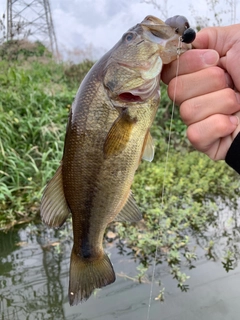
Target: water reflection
[(32, 274), (34, 266), (221, 240)]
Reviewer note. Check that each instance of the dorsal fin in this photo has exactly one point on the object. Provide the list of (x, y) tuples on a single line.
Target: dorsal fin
[(54, 209)]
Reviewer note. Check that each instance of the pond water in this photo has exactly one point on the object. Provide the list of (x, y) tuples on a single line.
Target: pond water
[(34, 269)]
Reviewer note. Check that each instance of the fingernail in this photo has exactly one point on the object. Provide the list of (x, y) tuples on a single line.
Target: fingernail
[(234, 120), (210, 57)]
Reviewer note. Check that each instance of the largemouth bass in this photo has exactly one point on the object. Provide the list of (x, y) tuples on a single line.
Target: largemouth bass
[(107, 136)]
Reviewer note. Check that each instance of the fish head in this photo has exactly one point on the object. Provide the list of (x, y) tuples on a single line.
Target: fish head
[(133, 66), (167, 36)]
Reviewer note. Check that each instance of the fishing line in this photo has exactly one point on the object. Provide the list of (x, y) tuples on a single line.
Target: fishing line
[(164, 176)]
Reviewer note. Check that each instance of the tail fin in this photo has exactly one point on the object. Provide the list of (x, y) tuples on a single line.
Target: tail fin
[(87, 275)]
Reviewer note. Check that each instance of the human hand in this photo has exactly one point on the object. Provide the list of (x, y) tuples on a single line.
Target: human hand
[(207, 89)]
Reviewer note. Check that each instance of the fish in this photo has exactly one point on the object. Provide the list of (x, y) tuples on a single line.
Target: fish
[(107, 136)]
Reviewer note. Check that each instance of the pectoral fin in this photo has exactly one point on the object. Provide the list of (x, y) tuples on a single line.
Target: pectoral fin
[(148, 148), (130, 212), (54, 209), (119, 134)]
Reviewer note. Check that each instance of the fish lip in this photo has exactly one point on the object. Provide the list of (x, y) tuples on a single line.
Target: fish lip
[(182, 46), (156, 31), (167, 46), (163, 42), (143, 66), (140, 94), (168, 37), (150, 72)]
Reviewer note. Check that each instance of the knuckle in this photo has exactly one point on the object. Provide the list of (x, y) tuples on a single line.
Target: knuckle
[(230, 98), (188, 110), (218, 77), (175, 89), (194, 136), (222, 126)]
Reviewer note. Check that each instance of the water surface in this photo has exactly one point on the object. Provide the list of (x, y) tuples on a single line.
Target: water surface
[(34, 284)]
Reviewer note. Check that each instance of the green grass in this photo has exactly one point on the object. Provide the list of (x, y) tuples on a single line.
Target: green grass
[(34, 106)]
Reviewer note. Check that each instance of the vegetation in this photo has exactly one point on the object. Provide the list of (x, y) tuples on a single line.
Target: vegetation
[(36, 95), (179, 197), (23, 49)]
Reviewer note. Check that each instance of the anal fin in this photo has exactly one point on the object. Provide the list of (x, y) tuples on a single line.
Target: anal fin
[(54, 209), (130, 212)]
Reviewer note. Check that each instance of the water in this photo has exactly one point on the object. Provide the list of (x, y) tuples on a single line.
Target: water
[(34, 284)]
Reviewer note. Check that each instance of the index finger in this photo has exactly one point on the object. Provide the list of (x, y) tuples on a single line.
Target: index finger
[(191, 61)]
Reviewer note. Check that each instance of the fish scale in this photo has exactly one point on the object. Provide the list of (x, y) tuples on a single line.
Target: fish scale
[(108, 133)]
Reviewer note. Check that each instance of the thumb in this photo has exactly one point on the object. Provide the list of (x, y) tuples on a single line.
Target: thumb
[(225, 40), (217, 38)]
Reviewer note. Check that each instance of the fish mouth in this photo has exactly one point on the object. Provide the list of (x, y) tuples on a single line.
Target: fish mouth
[(129, 97), (166, 36), (140, 94), (150, 74), (165, 44)]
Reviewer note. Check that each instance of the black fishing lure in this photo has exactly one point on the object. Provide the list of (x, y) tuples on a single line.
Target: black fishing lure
[(181, 25)]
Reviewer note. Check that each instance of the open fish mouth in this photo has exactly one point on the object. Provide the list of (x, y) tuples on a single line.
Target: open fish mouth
[(150, 74), (141, 93), (154, 43)]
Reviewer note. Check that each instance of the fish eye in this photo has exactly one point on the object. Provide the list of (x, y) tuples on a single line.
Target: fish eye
[(128, 37)]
